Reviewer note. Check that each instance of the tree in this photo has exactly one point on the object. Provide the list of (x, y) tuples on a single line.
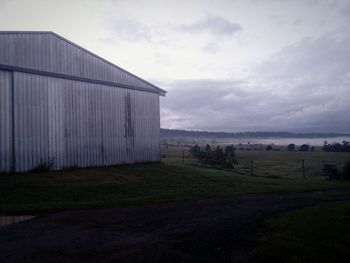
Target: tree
[(291, 147), (268, 148), (195, 150), (230, 155), (217, 157), (207, 148), (337, 147), (304, 148), (346, 146), (230, 151)]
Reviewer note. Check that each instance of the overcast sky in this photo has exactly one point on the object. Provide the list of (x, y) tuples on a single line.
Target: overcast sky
[(250, 65)]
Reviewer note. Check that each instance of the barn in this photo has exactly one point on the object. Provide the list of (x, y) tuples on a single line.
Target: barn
[(63, 106)]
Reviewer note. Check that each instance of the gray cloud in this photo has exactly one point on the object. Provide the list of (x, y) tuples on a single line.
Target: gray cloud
[(324, 59), (304, 87), (127, 30), (214, 105), (278, 20), (4, 2), (211, 47), (226, 106), (345, 10), (214, 25)]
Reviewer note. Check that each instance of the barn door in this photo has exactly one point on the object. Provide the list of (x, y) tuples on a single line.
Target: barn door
[(129, 132)]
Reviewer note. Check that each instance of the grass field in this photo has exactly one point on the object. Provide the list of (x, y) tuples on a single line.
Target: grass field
[(272, 163), (314, 234), (141, 184)]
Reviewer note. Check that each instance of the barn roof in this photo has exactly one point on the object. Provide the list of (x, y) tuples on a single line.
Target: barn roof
[(47, 53)]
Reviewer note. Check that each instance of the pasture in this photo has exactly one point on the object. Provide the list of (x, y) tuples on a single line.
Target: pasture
[(168, 181), (269, 163)]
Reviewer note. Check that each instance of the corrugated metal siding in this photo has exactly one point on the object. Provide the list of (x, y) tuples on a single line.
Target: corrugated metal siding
[(73, 123), (5, 121), (47, 52)]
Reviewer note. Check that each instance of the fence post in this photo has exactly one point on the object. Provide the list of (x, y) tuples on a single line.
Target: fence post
[(303, 167), (251, 167), (183, 156)]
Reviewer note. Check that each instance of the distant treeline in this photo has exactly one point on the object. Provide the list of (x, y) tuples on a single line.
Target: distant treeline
[(337, 147), (171, 134)]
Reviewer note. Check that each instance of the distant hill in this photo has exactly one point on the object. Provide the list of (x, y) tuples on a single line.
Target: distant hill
[(170, 134)]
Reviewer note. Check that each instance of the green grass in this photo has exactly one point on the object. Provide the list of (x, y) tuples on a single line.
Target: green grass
[(314, 234), (289, 163), (273, 163), (140, 184)]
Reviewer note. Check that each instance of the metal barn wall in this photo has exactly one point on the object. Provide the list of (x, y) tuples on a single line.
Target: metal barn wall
[(5, 121), (76, 124), (49, 52)]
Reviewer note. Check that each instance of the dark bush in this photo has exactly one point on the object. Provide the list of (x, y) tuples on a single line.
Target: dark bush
[(218, 157), (337, 147), (291, 147), (195, 151), (346, 171), (304, 148), (268, 148), (331, 171)]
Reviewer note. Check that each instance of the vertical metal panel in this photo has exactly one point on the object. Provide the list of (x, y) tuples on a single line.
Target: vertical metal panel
[(72, 123), (48, 52), (6, 153)]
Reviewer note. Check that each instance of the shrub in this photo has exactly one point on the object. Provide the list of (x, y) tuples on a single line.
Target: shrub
[(195, 150), (331, 171), (218, 157), (304, 148), (346, 171), (268, 148), (291, 147), (43, 167)]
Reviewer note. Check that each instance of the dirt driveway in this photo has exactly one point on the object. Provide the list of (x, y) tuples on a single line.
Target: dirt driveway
[(216, 230)]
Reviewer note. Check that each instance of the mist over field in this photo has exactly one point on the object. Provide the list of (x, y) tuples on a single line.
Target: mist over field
[(277, 138)]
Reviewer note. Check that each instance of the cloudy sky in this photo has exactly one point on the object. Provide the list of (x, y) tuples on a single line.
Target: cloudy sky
[(249, 65)]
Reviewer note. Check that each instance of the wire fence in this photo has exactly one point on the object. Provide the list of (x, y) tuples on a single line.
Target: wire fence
[(264, 163), (275, 168)]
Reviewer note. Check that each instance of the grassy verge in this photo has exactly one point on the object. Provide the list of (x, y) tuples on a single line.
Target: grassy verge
[(137, 185), (314, 234)]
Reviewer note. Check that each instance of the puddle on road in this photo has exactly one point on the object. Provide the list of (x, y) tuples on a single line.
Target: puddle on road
[(8, 220)]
